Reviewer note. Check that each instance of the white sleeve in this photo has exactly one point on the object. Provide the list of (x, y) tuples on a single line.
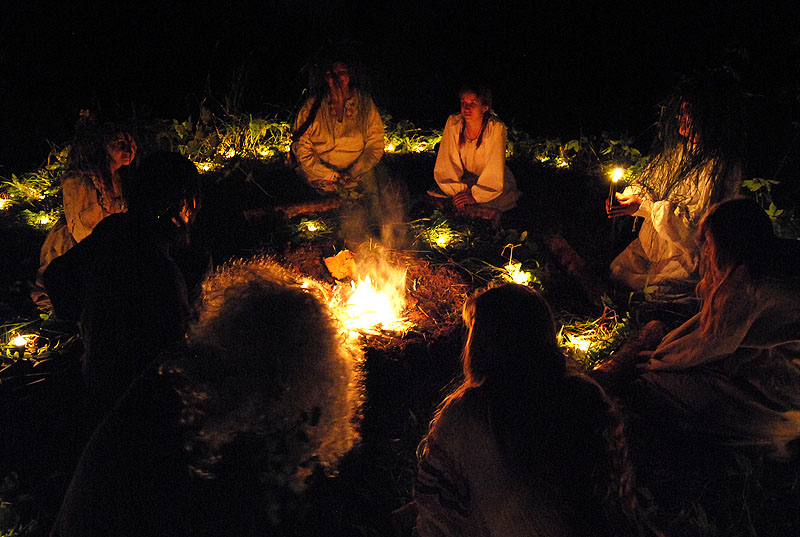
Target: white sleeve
[(490, 181), (448, 169), (303, 148)]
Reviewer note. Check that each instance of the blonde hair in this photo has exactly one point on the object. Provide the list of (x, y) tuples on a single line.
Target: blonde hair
[(251, 364)]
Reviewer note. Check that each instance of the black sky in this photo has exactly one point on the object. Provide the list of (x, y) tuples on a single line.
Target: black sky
[(556, 68)]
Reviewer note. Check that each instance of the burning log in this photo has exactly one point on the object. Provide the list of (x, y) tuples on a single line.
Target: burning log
[(574, 265), (433, 295)]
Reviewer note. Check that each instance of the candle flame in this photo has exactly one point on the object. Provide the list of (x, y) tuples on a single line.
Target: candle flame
[(19, 341), (516, 274)]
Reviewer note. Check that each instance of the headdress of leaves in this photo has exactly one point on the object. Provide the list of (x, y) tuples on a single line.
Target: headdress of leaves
[(322, 61), (714, 143)]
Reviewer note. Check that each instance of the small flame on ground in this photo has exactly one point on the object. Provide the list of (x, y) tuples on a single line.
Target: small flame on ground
[(19, 341), (580, 343), (516, 274)]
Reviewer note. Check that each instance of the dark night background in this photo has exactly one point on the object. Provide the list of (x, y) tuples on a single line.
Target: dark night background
[(556, 70)]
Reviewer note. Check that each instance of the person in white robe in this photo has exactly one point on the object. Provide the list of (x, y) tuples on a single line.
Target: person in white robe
[(471, 162), (698, 164)]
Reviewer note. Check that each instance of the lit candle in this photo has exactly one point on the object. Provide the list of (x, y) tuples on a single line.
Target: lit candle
[(17, 346), (616, 175)]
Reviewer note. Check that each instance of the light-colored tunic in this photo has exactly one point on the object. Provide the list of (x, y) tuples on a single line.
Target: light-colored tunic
[(667, 250), (87, 201), (482, 169), (741, 382), (329, 146)]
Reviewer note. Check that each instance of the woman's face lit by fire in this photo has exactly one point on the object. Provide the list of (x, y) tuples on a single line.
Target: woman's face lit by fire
[(121, 150), (472, 108)]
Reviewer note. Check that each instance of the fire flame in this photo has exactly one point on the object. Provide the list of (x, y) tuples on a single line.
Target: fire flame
[(373, 305)]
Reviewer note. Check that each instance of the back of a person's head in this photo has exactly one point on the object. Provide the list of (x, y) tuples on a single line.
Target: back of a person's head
[(161, 183), (554, 426), (273, 364), (741, 233), (511, 336)]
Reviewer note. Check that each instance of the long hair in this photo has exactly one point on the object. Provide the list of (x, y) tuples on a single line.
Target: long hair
[(700, 132), (549, 422), (265, 359), (484, 95), (88, 153), (360, 87), (738, 245)]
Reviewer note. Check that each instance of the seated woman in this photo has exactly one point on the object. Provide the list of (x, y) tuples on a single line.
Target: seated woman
[(732, 372), (471, 162), (698, 164), (523, 446), (220, 438), (99, 163), (338, 134)]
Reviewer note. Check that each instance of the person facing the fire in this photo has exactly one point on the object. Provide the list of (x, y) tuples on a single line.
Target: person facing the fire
[(338, 134), (698, 163), (121, 282), (524, 445), (731, 373), (99, 161), (222, 435), (471, 165)]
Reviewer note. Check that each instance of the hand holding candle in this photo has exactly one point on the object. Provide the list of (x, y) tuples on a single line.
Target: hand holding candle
[(616, 175)]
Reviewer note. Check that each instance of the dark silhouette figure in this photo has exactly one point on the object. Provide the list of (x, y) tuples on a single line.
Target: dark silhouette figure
[(523, 446), (220, 438), (121, 283)]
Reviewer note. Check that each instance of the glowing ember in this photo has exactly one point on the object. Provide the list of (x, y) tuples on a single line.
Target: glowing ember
[(311, 226), (5, 202), (389, 147)]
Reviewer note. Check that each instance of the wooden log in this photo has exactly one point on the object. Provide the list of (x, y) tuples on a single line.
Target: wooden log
[(295, 209), (620, 366), (574, 265)]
